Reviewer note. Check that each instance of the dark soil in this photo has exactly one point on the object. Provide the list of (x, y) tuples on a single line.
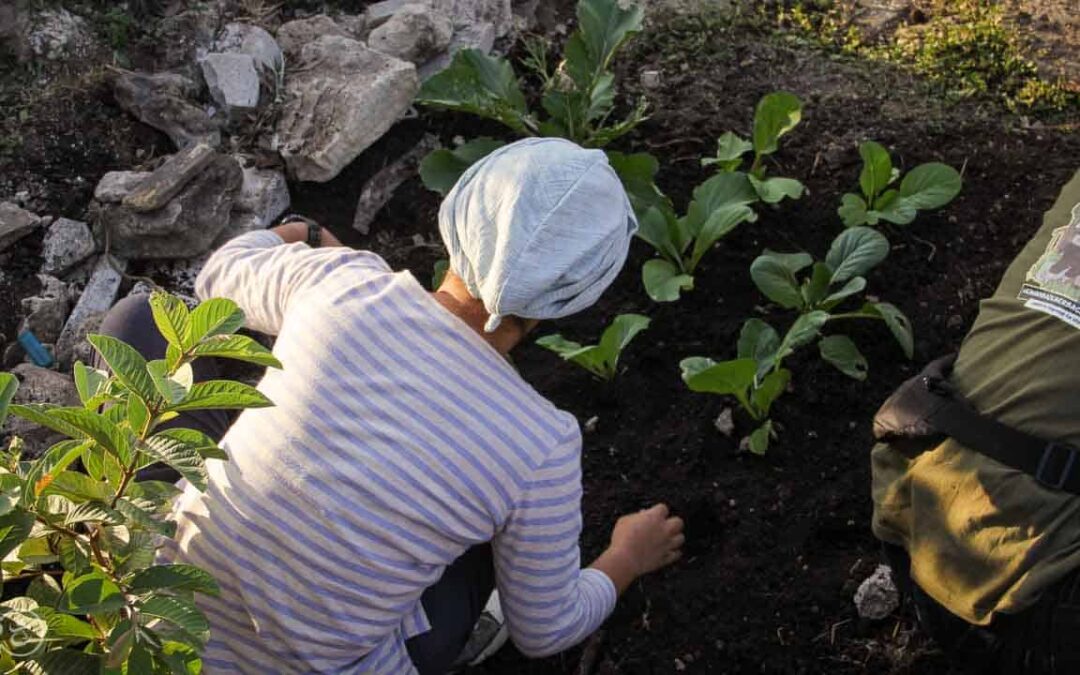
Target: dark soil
[(776, 545)]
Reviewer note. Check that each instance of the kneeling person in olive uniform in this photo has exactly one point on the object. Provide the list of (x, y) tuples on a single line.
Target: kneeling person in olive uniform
[(976, 480)]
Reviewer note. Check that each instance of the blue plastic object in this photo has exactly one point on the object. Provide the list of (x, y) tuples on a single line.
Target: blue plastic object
[(38, 354)]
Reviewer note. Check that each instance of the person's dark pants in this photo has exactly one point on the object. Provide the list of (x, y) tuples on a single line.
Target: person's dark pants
[(1043, 639), (452, 605)]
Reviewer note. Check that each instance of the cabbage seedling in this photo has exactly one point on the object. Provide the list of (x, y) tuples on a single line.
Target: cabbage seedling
[(927, 186), (600, 359)]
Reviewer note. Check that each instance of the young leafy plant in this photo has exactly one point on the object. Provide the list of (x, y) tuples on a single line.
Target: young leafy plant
[(81, 543), (926, 187), (601, 359), (776, 114), (577, 96)]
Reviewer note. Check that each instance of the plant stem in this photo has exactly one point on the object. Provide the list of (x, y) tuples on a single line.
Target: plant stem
[(854, 315)]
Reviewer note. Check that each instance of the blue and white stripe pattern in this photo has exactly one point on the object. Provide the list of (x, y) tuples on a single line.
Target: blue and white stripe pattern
[(399, 439)]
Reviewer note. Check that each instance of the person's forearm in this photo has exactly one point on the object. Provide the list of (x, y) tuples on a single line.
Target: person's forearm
[(619, 567), (297, 231)]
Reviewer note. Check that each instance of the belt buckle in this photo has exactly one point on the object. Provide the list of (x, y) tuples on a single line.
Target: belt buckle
[(1045, 462)]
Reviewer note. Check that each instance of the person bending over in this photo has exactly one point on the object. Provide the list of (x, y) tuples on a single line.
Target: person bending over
[(406, 468)]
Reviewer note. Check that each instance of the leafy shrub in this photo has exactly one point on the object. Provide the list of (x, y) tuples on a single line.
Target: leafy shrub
[(577, 96), (756, 377), (600, 359), (719, 204), (86, 540), (927, 186)]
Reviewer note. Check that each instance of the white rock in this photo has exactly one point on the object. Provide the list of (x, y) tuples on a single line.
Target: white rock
[(379, 13), (115, 185), (339, 99), (292, 36), (415, 33), (264, 194), (243, 38), (650, 79), (877, 596), (98, 296), (46, 311), (15, 223), (67, 243), (57, 34), (724, 423), (232, 80), (464, 13)]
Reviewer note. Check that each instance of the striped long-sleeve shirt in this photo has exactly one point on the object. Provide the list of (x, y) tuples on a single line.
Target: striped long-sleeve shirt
[(399, 439)]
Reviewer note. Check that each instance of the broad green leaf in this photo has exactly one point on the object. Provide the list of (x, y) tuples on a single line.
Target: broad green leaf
[(853, 286), (659, 227), (65, 662), (776, 114), (77, 487), (805, 330), (10, 494), (73, 556), (221, 394), (638, 175), (120, 643), (855, 252), (561, 346), (171, 317), (772, 274), (853, 210), (603, 26), (898, 324), (41, 414), (758, 340), (206, 446), (479, 84), (719, 223), (238, 348), (9, 384), (66, 626), (140, 514), (156, 491), (179, 612), (773, 190), (618, 335), (719, 191), (15, 527), (663, 280), (772, 386), (180, 658), (930, 186), (175, 578), (97, 428), (730, 148), (816, 287), (793, 262), (137, 414), (126, 364), (180, 456), (602, 135), (24, 628), (726, 377), (92, 512), (216, 316), (173, 388), (89, 382), (438, 273), (91, 594), (759, 439), (35, 552), (841, 352), (877, 171), (44, 590), (442, 168)]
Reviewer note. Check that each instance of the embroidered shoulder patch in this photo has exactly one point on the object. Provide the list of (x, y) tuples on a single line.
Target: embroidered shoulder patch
[(1052, 284)]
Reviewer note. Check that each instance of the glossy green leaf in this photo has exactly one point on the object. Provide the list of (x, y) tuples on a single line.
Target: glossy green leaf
[(603, 26), (15, 527), (877, 171), (172, 319), (206, 446), (759, 439), (238, 348), (180, 456), (45, 590), (65, 662), (840, 351), (774, 190), (9, 384), (898, 324), (730, 148), (91, 594), (438, 273), (853, 210), (772, 274), (89, 382), (663, 281), (804, 331), (97, 428), (137, 413), (616, 337), (126, 364), (174, 578), (772, 386), (221, 394), (852, 287), (758, 340), (442, 168), (720, 191), (140, 514), (816, 288), (659, 227), (726, 377), (719, 223), (216, 316), (638, 175), (174, 387), (179, 612), (776, 115), (479, 84), (930, 186), (855, 252)]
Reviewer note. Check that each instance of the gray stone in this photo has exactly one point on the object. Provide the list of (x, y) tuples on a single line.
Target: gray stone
[(15, 223), (161, 101), (186, 226), (292, 36), (465, 13), (168, 179), (243, 38), (67, 243), (339, 99), (39, 385), (264, 194), (478, 36), (232, 80), (379, 13), (178, 275), (650, 79), (724, 422), (240, 223), (380, 188), (46, 311), (877, 596), (96, 299), (415, 33), (115, 185), (58, 34)]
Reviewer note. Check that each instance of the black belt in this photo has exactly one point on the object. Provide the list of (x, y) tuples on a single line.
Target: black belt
[(928, 405)]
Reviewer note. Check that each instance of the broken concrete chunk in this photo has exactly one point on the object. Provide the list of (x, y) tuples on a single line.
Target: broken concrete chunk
[(46, 311), (264, 194), (160, 101), (415, 33), (115, 185), (243, 38), (15, 223), (340, 98), (232, 80), (98, 296), (168, 179), (293, 35), (877, 596), (67, 243)]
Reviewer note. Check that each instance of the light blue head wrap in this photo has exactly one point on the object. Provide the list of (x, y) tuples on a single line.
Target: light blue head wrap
[(537, 229)]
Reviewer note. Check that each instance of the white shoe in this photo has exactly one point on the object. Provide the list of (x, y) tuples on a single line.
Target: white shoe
[(488, 635)]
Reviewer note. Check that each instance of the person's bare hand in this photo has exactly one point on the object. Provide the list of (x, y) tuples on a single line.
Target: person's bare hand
[(649, 539)]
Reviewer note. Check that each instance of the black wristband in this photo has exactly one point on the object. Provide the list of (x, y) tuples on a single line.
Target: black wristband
[(314, 230)]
